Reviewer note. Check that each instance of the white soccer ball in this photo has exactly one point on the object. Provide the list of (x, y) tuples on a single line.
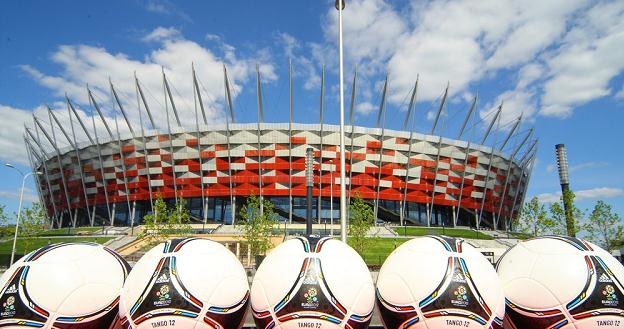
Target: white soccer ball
[(185, 283), (439, 282), (312, 283), (65, 285), (561, 282)]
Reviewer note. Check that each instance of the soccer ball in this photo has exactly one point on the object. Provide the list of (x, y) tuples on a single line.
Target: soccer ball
[(185, 283), (65, 285), (312, 283), (439, 282), (561, 282)]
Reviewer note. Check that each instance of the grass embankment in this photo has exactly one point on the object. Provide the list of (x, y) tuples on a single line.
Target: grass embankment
[(378, 249), (452, 232), (73, 231), (26, 245)]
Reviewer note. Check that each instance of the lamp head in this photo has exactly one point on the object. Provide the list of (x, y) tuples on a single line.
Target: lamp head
[(340, 4)]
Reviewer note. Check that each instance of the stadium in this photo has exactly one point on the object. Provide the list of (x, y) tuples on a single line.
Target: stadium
[(409, 178)]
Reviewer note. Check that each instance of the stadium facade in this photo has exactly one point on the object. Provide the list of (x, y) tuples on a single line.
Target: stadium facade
[(408, 177)]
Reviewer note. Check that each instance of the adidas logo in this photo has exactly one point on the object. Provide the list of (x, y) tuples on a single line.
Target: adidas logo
[(604, 278), (162, 279), (11, 290), (458, 277)]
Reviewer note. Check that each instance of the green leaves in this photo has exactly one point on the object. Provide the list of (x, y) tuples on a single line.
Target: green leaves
[(165, 220), (258, 221), (604, 227), (360, 221), (534, 219)]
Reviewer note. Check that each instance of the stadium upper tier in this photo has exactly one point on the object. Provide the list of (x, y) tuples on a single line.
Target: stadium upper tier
[(406, 176)]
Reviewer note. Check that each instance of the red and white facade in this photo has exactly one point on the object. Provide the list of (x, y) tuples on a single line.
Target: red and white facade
[(451, 182)]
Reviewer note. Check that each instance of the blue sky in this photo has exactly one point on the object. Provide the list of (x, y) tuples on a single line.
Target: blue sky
[(559, 63)]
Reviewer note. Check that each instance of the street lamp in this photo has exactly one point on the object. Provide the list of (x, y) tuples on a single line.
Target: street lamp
[(19, 209), (340, 5), (331, 197)]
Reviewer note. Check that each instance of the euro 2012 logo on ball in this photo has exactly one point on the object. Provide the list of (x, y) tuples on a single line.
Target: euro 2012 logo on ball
[(310, 296)]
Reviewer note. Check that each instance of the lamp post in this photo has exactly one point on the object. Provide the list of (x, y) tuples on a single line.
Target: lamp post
[(309, 184), (19, 209), (331, 197), (340, 5)]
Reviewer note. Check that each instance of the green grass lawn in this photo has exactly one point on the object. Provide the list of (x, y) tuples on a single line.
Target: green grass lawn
[(26, 245), (73, 231), (378, 249), (453, 232)]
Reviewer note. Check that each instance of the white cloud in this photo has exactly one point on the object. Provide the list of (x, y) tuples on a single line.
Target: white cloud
[(303, 66), (29, 195), (566, 51), (551, 168), (620, 94), (11, 134), (515, 103), (587, 165), (594, 193), (83, 64), (557, 111), (529, 74), (590, 56), (365, 108), (162, 33), (166, 7)]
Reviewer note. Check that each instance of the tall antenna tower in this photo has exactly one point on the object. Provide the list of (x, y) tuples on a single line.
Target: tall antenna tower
[(564, 179)]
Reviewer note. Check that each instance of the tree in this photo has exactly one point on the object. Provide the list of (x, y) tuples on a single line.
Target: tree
[(558, 215), (32, 223), (179, 219), (604, 226), (360, 221), (258, 225), (5, 229), (534, 219), (155, 222)]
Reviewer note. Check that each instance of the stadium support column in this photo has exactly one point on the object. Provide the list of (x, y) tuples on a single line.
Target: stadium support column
[(99, 151), (381, 115), (41, 160), (340, 5), (564, 179), (121, 153), (139, 94), (529, 166), (437, 162), (228, 99), (37, 176), (122, 159), (290, 129), (465, 165), (321, 110), (259, 134), (351, 111), (168, 92), (121, 109), (197, 98), (410, 110), (309, 186), (97, 108), (78, 158), (86, 131), (523, 166), (509, 173), (58, 158), (489, 168)]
